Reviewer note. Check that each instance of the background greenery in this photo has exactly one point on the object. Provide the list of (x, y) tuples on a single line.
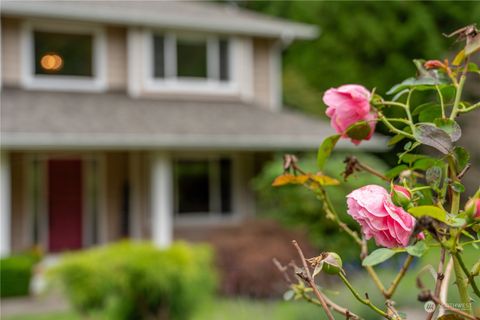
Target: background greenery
[(367, 42)]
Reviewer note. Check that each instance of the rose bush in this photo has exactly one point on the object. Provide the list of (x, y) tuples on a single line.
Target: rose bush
[(422, 211)]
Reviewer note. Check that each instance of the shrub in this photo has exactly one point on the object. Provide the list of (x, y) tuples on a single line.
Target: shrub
[(135, 280), (15, 274), (244, 256), (297, 206)]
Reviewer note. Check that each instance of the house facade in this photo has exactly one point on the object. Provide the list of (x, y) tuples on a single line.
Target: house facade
[(142, 120)]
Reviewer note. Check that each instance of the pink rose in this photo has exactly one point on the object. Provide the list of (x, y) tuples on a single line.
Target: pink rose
[(347, 105), (372, 207), (400, 196), (473, 208)]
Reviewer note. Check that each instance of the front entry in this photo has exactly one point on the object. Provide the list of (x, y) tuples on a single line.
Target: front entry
[(65, 204)]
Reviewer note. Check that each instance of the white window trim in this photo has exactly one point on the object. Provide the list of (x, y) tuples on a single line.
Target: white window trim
[(30, 80), (211, 217), (173, 84)]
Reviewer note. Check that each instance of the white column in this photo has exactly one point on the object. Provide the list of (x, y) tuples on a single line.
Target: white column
[(162, 199), (5, 211)]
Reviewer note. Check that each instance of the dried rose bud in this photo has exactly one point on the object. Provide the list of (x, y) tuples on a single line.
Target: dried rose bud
[(401, 196)]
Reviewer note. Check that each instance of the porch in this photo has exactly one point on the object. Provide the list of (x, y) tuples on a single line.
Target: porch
[(69, 200)]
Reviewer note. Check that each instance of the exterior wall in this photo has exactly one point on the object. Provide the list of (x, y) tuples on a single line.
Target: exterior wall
[(20, 228), (117, 58), (267, 73), (10, 42)]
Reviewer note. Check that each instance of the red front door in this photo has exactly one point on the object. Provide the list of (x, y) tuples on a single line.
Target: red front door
[(65, 204)]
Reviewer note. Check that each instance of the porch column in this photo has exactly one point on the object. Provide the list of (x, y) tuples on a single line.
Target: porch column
[(162, 199), (5, 209)]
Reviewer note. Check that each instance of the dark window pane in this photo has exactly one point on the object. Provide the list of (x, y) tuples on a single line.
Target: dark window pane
[(158, 56), (226, 185), (63, 54), (192, 186), (224, 65), (191, 58)]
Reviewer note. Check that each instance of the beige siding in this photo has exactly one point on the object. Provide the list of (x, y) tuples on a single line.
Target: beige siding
[(262, 72), (116, 58), (10, 52)]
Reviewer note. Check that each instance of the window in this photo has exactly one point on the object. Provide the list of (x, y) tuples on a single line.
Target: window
[(191, 57), (63, 54), (203, 186)]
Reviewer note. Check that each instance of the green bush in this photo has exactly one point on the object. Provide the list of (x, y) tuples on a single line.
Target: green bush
[(15, 274), (135, 280), (295, 205)]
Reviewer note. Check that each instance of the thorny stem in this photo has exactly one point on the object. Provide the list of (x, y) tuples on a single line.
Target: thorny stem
[(312, 283), (407, 110), (440, 277), (390, 291), (472, 107), (461, 283), (336, 307), (458, 94), (470, 277), (366, 301), (442, 104), (444, 289), (452, 309)]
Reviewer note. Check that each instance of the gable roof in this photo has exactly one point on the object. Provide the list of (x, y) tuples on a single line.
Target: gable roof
[(187, 15), (55, 120)]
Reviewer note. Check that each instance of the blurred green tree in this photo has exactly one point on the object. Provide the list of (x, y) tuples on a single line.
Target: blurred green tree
[(366, 42)]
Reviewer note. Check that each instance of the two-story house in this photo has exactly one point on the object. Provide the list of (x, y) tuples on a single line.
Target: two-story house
[(138, 119)]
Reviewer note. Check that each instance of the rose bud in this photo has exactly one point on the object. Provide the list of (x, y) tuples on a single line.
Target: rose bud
[(472, 208), (401, 196), (434, 64), (332, 263)]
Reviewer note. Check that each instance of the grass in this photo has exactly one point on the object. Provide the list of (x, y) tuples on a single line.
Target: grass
[(244, 309)]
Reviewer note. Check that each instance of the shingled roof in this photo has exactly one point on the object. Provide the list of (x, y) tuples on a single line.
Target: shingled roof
[(189, 15), (39, 120)]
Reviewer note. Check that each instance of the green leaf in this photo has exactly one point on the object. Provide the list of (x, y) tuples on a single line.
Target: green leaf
[(462, 158), (424, 107), (429, 114), (411, 158), (458, 187), (473, 67), (425, 163), (378, 256), (418, 249), (395, 139), (432, 136), (395, 171), (450, 127), (359, 130), (288, 295), (325, 149), (431, 211)]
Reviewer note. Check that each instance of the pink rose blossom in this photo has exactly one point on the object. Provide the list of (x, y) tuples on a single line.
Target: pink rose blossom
[(473, 206), (371, 206), (347, 105)]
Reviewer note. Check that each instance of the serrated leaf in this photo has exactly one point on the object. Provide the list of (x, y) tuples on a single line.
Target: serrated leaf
[(433, 175), (431, 211), (411, 158), (429, 114), (418, 249), (450, 127), (473, 67), (394, 172), (400, 94), (462, 158), (425, 164), (325, 150), (458, 187), (432, 136), (323, 180), (378, 256), (358, 131), (289, 178)]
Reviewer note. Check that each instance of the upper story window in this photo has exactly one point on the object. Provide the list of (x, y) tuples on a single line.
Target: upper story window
[(180, 60), (63, 56)]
